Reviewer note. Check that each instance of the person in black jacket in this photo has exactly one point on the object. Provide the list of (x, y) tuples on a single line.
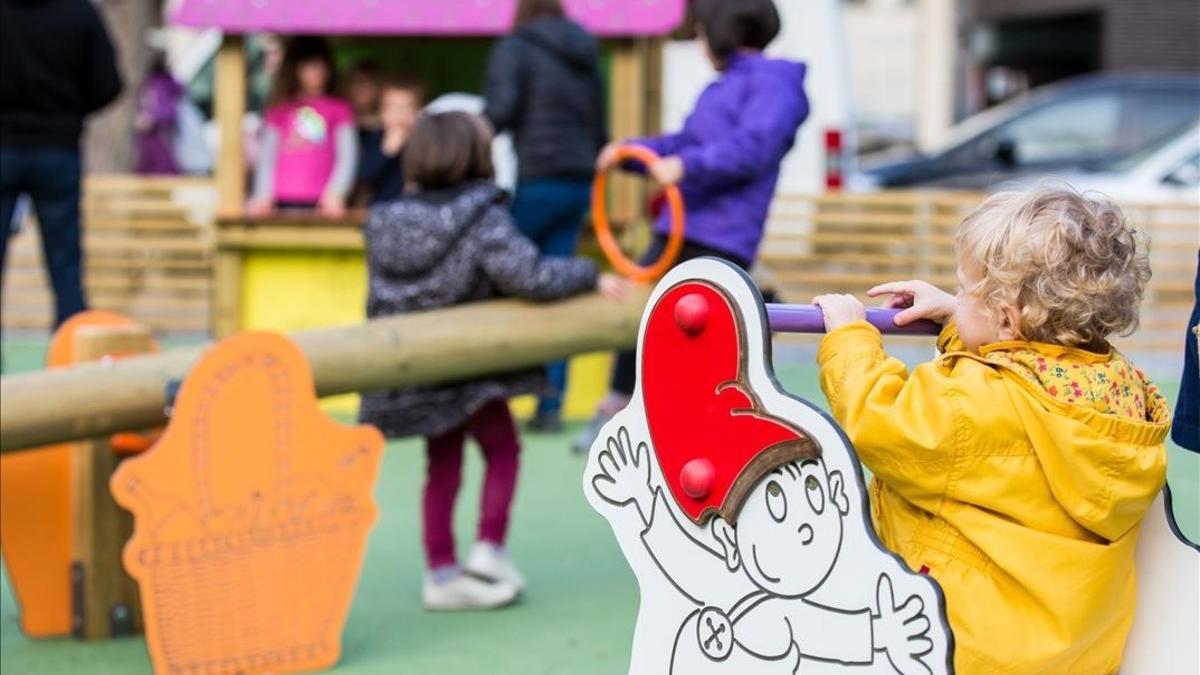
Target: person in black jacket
[(544, 84), (57, 66), (1186, 429)]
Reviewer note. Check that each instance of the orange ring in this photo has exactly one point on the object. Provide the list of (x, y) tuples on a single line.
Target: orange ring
[(604, 234)]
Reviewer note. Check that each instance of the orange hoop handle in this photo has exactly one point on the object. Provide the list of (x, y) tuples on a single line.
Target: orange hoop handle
[(604, 235)]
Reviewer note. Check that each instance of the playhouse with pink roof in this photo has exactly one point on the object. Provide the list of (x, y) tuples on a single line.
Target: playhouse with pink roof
[(607, 18), (444, 42)]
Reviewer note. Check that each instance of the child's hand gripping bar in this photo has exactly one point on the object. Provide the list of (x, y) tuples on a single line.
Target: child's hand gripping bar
[(808, 319)]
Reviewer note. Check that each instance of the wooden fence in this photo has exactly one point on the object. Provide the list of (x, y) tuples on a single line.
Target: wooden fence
[(148, 244), (849, 242)]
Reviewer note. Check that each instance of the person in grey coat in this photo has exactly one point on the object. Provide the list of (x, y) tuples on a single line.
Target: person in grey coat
[(545, 85), (453, 241)]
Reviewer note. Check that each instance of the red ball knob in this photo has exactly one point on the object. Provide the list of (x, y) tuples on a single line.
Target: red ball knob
[(691, 314), (697, 478)]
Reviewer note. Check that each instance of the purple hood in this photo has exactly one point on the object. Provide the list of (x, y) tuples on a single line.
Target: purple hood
[(731, 146)]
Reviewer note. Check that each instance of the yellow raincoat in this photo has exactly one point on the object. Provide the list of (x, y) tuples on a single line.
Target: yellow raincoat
[(1018, 478)]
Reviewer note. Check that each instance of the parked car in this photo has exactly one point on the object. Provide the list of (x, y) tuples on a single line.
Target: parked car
[(1167, 172), (1093, 121)]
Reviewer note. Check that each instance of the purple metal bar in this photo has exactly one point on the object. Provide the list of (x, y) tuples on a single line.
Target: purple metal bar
[(808, 319)]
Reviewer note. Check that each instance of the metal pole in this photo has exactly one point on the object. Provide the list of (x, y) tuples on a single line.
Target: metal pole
[(808, 319)]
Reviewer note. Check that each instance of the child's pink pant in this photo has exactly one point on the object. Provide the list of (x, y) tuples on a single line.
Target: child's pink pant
[(492, 427)]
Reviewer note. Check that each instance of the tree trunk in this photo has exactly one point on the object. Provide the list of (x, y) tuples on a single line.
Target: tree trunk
[(108, 140)]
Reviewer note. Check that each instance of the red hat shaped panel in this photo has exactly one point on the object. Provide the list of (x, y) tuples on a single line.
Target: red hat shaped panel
[(709, 432)]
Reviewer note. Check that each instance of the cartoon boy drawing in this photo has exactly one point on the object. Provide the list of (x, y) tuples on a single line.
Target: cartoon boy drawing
[(741, 509), (752, 579)]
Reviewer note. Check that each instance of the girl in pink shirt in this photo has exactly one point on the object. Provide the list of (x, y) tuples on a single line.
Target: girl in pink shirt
[(309, 144)]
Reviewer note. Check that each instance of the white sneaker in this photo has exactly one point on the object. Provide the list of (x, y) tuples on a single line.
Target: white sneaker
[(487, 562), (465, 592)]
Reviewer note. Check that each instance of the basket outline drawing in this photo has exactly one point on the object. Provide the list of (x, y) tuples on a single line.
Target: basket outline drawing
[(261, 582)]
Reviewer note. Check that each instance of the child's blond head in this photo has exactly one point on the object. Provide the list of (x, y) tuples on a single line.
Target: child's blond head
[(1071, 264)]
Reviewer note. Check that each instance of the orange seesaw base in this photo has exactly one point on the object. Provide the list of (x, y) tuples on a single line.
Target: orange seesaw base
[(36, 510)]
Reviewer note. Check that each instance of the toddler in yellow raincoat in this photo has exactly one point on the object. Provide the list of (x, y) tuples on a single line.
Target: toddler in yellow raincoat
[(1016, 467)]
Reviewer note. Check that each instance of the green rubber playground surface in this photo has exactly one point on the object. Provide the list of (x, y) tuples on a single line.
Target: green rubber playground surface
[(577, 616)]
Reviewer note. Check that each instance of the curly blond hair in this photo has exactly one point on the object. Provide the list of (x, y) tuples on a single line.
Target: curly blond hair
[(1072, 265)]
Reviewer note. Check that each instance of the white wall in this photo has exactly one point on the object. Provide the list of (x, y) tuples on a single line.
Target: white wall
[(938, 40), (882, 39)]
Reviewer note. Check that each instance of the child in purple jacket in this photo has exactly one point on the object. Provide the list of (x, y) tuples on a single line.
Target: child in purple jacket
[(726, 158), (155, 123)]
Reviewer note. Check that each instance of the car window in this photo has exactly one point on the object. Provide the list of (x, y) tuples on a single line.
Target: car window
[(1075, 128), (1186, 175), (1157, 113)]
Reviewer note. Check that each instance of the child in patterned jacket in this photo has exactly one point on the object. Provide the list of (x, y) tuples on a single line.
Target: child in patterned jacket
[(449, 241)]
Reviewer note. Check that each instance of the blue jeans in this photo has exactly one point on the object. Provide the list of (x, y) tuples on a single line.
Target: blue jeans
[(550, 212), (50, 176)]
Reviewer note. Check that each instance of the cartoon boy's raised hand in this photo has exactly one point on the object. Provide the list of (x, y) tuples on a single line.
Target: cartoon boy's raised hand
[(624, 476), (901, 631)]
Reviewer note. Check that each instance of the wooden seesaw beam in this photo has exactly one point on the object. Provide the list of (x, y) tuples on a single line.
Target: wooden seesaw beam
[(93, 400), (98, 399)]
